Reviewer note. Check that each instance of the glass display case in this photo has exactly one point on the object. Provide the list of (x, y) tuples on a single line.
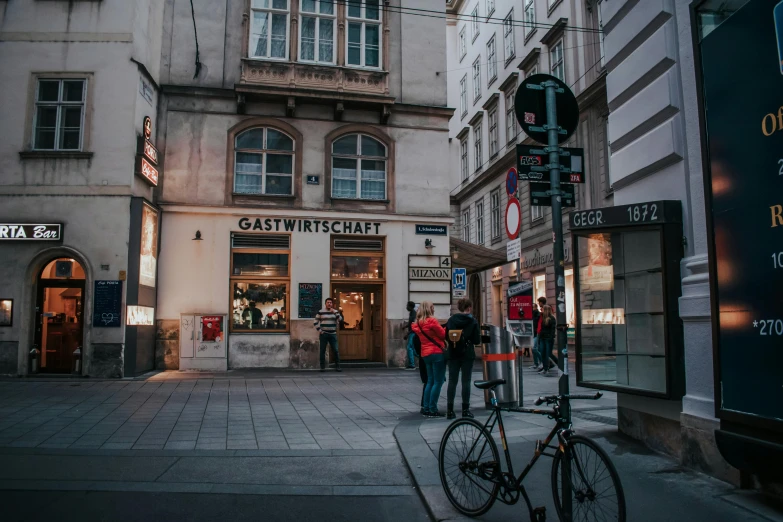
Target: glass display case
[(627, 286)]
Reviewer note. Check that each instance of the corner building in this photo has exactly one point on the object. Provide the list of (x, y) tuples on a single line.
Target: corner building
[(306, 159)]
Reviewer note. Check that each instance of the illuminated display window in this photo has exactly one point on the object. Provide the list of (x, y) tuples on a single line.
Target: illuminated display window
[(629, 335), (140, 316)]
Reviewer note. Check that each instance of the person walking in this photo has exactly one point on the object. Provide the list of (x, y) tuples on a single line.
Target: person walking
[(411, 308), (432, 337), (462, 331), (326, 322), (546, 337), (537, 360)]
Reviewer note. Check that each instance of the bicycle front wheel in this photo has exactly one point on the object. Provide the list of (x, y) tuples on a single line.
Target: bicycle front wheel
[(469, 467), (596, 492)]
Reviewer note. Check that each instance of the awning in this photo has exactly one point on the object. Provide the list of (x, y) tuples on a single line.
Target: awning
[(475, 258)]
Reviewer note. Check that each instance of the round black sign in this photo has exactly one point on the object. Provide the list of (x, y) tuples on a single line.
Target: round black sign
[(530, 107)]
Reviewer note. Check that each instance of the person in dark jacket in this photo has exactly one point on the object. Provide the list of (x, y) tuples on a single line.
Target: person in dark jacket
[(411, 308), (546, 337), (461, 363)]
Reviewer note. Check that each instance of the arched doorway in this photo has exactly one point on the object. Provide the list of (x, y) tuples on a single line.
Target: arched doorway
[(59, 314)]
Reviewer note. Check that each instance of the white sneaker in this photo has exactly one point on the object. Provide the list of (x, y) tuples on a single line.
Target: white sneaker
[(534, 367), (545, 373)]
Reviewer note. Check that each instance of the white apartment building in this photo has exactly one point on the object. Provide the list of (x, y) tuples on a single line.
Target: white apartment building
[(493, 45)]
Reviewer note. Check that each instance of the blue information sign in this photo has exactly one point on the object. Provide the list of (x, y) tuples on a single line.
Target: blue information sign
[(511, 182), (459, 282)]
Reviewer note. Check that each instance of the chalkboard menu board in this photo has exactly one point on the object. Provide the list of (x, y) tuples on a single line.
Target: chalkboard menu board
[(107, 304), (309, 299), (742, 85)]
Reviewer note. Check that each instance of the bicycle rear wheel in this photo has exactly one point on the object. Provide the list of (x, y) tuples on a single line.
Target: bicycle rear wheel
[(468, 462), (596, 492)]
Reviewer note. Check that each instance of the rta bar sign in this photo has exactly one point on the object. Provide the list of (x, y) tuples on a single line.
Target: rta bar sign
[(31, 232)]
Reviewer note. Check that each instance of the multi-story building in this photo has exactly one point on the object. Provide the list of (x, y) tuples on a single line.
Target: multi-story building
[(78, 273), (305, 157), (493, 45)]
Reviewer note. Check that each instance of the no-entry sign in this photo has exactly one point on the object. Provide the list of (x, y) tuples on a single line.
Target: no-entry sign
[(513, 218)]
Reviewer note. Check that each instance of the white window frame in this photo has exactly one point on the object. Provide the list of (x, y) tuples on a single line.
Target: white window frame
[(474, 23), (265, 152), (492, 117), (60, 105), (463, 43), (364, 21), (508, 36), (536, 212), (512, 125), (478, 159), (463, 95), (490, 7), (359, 157), (480, 222), (601, 35), (530, 72), (477, 79), (464, 158), (466, 225), (554, 64), (529, 18), (319, 19), (494, 218), (492, 64), (271, 11)]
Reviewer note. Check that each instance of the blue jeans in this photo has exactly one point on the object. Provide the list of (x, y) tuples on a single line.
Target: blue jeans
[(329, 338), (536, 355), (411, 352), (436, 375), (546, 346)]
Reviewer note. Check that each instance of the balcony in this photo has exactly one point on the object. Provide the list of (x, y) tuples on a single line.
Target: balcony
[(316, 82)]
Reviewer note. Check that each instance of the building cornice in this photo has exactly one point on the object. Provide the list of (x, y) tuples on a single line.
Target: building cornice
[(554, 32), (530, 59), (508, 82), (492, 100)]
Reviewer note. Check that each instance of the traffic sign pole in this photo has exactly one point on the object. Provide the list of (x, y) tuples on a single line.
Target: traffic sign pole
[(559, 258)]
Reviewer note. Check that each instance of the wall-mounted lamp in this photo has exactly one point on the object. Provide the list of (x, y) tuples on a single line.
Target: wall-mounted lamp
[(455, 253), (198, 236), (428, 243)]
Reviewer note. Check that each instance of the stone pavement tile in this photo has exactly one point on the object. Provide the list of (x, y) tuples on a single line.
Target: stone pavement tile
[(116, 445), (180, 445), (242, 444)]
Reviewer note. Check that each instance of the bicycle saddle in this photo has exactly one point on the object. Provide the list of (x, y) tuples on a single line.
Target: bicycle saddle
[(483, 385)]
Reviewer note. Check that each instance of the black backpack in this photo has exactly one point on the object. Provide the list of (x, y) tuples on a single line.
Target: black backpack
[(416, 344)]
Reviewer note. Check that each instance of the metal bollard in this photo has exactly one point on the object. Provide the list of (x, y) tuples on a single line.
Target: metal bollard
[(77, 360), (34, 353)]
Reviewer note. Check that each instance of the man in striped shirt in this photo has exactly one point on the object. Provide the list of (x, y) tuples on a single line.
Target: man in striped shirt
[(326, 322)]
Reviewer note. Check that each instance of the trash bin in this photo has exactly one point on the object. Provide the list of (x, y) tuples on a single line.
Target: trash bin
[(500, 362)]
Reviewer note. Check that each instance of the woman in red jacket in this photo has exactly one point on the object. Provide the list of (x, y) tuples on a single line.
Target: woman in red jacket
[(433, 353)]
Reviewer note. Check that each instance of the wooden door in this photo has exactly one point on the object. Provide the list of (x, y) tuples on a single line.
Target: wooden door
[(59, 324), (354, 333)]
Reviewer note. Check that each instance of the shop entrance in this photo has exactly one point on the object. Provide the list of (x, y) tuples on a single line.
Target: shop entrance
[(361, 334), (59, 315)]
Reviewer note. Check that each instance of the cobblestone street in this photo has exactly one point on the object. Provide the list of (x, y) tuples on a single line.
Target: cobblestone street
[(357, 409)]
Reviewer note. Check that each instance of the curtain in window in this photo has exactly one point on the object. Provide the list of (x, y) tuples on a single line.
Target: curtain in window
[(344, 178), (308, 38), (326, 40), (373, 179), (279, 23), (248, 178), (260, 33)]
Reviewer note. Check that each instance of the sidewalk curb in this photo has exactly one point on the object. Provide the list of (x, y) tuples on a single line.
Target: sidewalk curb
[(424, 471)]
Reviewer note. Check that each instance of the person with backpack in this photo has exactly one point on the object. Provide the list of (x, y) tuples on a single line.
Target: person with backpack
[(411, 308), (432, 338), (463, 333), (546, 337), (536, 327)]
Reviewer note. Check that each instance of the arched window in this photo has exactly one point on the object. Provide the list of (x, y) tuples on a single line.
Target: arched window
[(264, 162), (359, 168)]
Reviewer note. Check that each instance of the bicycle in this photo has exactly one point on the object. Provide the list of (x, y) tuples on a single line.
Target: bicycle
[(473, 478)]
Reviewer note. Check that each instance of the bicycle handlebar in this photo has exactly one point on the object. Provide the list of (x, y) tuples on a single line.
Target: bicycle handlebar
[(551, 399)]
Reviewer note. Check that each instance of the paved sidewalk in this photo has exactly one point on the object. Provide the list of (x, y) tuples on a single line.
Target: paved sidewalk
[(356, 409)]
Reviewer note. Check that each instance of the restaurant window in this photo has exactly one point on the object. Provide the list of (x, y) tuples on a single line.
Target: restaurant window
[(539, 287), (316, 40), (269, 29), (357, 266), (58, 120), (263, 162), (259, 282), (494, 199), (359, 168), (363, 33)]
